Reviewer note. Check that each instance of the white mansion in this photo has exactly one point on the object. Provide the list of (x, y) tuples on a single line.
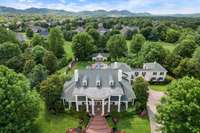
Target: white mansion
[(107, 88)]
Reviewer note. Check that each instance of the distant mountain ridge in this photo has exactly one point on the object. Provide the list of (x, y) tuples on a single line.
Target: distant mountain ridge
[(96, 13)]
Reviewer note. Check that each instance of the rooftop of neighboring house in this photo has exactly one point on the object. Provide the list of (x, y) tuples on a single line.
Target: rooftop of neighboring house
[(153, 66), (21, 37)]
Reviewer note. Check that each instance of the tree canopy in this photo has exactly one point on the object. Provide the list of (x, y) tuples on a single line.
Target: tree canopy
[(19, 104), (136, 43), (179, 111), (83, 45), (117, 46)]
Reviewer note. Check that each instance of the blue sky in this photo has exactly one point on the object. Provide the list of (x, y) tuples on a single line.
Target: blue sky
[(151, 6)]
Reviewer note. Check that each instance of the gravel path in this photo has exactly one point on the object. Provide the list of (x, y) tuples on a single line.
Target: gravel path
[(154, 99)]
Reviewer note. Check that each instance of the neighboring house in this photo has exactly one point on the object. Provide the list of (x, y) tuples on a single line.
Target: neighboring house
[(131, 28), (150, 71), (79, 29), (100, 57), (40, 30), (98, 91), (101, 29), (21, 37)]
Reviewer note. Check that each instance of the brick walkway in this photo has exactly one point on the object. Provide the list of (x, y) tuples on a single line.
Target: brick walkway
[(98, 124)]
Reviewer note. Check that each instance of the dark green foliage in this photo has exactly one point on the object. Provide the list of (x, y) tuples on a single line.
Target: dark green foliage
[(19, 104), (50, 61), (117, 46), (95, 35), (186, 48), (172, 36), (136, 43), (68, 35), (188, 67), (28, 66), (140, 87), (51, 90), (62, 62), (38, 40), (196, 54), (8, 50), (147, 32), (16, 63), (29, 33), (154, 52), (37, 75), (56, 42), (7, 35), (38, 53), (128, 34), (180, 109), (83, 46)]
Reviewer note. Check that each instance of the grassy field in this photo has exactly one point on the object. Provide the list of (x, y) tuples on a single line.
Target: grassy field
[(168, 46), (130, 122), (51, 123), (68, 50), (162, 88)]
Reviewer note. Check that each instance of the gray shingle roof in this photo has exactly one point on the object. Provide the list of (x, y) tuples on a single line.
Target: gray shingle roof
[(92, 90)]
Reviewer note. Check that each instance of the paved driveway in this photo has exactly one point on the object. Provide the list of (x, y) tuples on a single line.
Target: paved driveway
[(154, 99)]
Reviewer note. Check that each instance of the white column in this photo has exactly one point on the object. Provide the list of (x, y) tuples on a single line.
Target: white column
[(87, 110), (109, 104), (103, 107), (126, 105), (64, 102), (92, 106), (119, 103), (77, 109), (69, 105)]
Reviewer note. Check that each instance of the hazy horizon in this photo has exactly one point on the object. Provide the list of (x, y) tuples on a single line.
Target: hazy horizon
[(158, 7)]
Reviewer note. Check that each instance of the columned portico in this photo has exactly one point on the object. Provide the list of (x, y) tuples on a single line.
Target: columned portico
[(119, 103), (76, 98), (109, 104), (93, 107), (103, 107), (87, 107)]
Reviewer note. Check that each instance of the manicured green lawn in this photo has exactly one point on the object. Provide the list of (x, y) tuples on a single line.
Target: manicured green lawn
[(159, 87), (131, 123), (68, 50), (168, 46), (51, 123)]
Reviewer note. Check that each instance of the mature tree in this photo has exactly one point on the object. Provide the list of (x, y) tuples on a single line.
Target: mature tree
[(83, 45), (19, 104), (16, 63), (186, 48), (38, 40), (7, 35), (68, 35), (140, 87), (95, 35), (51, 90), (56, 42), (172, 36), (147, 32), (29, 32), (196, 54), (117, 46), (162, 29), (28, 66), (188, 67), (153, 52), (38, 53), (50, 61), (136, 43), (8, 50), (179, 111), (38, 74)]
